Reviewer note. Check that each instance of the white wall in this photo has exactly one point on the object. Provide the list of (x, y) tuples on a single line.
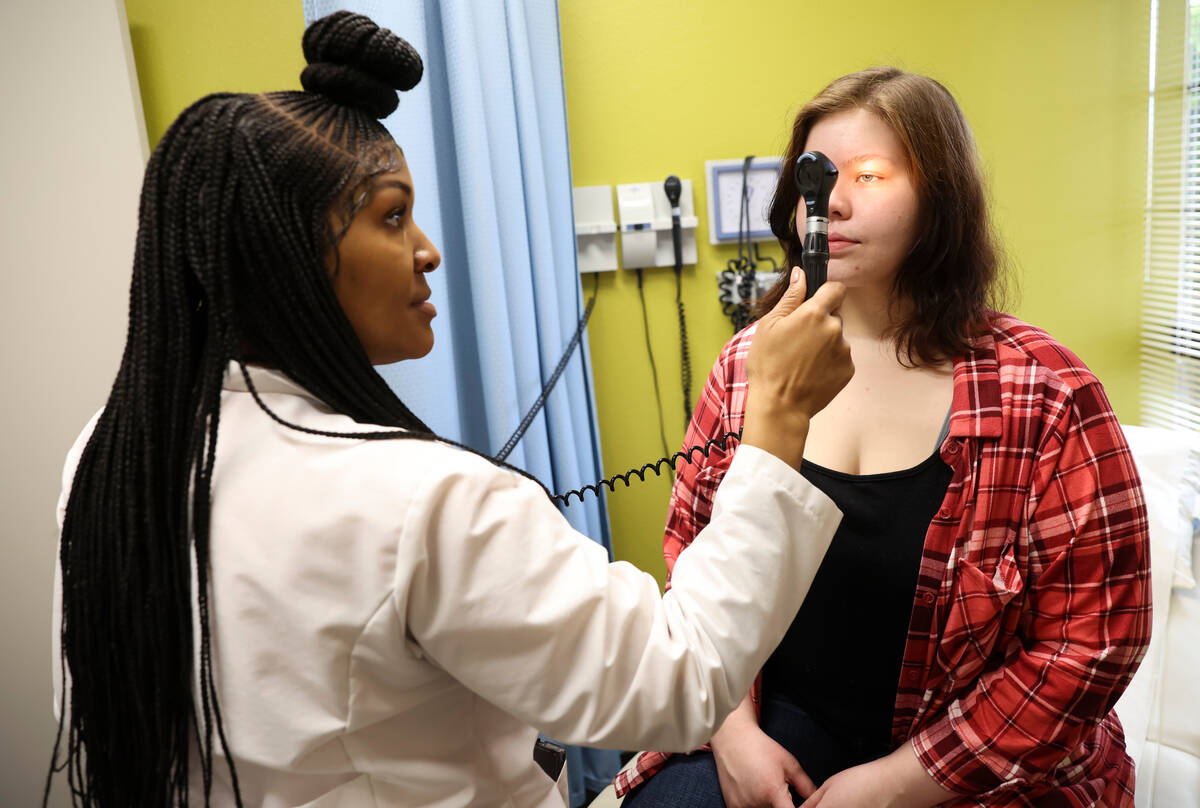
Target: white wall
[(72, 150)]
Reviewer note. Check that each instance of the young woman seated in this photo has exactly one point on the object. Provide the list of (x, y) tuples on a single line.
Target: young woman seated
[(986, 598)]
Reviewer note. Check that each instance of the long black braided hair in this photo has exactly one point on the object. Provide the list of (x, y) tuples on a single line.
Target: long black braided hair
[(232, 262)]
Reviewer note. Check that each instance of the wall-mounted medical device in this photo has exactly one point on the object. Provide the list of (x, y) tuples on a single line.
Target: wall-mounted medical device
[(595, 228), (645, 216), (729, 208)]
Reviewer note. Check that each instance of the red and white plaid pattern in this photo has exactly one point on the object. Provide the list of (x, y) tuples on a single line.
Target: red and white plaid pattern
[(1032, 608)]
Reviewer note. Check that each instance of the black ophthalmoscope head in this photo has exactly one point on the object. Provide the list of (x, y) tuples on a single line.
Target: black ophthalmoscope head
[(815, 177), (673, 187)]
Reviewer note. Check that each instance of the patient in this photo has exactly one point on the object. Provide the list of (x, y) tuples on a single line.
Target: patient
[(986, 599)]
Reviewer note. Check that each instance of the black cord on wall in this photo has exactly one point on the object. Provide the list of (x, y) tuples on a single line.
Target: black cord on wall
[(662, 431)]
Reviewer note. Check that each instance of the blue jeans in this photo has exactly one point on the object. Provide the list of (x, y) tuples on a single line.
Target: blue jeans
[(690, 781)]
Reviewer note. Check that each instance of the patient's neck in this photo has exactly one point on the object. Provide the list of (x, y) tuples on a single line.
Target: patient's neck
[(871, 314)]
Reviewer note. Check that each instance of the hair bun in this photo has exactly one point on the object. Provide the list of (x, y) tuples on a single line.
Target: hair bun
[(355, 62)]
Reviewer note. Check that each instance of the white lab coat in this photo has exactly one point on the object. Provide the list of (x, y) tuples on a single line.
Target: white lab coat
[(393, 621)]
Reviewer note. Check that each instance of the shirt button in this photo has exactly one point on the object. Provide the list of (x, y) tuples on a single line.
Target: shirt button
[(912, 677), (927, 598), (953, 447), (944, 513)]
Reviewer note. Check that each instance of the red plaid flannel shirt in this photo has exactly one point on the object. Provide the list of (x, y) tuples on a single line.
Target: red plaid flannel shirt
[(1032, 608)]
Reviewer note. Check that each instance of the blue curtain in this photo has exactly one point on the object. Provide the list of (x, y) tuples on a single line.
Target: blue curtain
[(485, 136)]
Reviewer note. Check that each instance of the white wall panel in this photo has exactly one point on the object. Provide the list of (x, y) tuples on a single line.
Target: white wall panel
[(72, 151)]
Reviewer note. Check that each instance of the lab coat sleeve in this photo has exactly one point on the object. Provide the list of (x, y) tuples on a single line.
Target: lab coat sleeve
[(529, 614)]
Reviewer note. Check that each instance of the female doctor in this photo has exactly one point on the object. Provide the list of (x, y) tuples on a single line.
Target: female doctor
[(278, 587)]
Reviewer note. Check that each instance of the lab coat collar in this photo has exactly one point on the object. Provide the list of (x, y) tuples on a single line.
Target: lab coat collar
[(266, 380)]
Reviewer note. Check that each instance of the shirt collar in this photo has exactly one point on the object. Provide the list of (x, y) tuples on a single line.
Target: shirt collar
[(266, 380), (976, 411)]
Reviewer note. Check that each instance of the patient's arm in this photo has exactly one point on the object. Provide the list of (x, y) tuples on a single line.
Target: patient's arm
[(897, 780), (696, 481), (1085, 619)]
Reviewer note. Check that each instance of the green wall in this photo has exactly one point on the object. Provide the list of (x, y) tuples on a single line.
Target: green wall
[(185, 50), (1055, 92), (1056, 95)]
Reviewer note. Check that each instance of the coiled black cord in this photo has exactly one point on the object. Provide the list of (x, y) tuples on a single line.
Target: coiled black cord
[(685, 356), (687, 456), (736, 288)]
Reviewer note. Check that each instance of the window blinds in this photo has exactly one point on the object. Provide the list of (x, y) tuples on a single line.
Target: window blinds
[(1171, 290)]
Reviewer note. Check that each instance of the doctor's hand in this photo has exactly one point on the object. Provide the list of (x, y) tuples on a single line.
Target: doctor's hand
[(755, 771), (798, 361)]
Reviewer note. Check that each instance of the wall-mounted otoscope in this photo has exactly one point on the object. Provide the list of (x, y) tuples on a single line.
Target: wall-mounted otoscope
[(672, 187), (815, 178)]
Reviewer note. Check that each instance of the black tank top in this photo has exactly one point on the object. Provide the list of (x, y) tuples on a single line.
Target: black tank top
[(840, 661)]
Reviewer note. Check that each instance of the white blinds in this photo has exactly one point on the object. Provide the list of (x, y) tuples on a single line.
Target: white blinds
[(1171, 293)]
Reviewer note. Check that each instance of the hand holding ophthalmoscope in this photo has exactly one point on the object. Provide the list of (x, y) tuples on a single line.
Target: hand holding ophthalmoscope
[(797, 363)]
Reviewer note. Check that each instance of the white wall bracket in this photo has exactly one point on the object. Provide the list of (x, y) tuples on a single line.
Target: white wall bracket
[(645, 217), (595, 229)]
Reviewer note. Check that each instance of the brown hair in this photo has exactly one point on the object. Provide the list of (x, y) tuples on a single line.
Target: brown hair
[(953, 266)]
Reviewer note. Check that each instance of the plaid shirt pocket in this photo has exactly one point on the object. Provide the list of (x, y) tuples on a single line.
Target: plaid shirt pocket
[(976, 611)]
